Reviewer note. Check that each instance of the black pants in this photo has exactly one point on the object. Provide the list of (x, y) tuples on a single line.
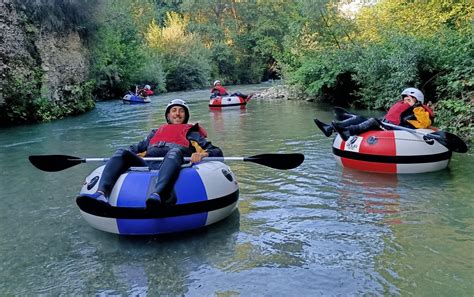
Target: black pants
[(233, 94), (353, 120), (240, 95), (123, 159)]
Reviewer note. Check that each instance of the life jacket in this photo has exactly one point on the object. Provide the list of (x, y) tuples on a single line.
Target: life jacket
[(429, 110), (420, 117), (394, 114), (175, 133), (145, 92), (222, 91), (148, 92)]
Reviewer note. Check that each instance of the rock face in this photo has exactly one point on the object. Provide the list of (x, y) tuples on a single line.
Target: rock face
[(14, 55), (39, 69), (13, 36), (65, 62)]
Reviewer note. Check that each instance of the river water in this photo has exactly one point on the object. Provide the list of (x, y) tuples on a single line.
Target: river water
[(318, 229)]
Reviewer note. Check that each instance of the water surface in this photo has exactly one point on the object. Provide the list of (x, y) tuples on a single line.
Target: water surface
[(318, 229)]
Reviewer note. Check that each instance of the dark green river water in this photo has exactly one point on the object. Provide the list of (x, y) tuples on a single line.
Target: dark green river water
[(315, 230)]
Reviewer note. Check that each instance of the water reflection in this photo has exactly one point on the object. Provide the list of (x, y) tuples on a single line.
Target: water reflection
[(374, 193), (157, 265), (228, 119)]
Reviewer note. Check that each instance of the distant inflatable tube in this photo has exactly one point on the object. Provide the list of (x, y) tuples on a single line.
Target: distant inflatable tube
[(206, 193), (392, 151), (134, 99), (227, 101)]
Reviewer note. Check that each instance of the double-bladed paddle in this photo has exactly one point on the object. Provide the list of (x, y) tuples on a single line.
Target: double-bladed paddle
[(451, 141), (54, 163)]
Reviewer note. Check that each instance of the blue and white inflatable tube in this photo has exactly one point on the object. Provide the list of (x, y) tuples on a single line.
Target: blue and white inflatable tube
[(206, 193), (134, 99)]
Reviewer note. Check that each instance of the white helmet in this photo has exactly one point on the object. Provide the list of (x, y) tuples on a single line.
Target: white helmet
[(147, 87), (217, 82), (177, 102), (414, 93)]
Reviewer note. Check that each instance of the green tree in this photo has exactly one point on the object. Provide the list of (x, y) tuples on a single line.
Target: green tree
[(386, 47), (185, 58), (244, 36), (412, 18), (120, 57)]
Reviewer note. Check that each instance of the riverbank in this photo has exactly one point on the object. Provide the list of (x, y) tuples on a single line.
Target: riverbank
[(282, 92)]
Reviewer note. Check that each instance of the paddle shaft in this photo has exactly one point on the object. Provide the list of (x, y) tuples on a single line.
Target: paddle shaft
[(54, 163), (221, 159), (404, 128)]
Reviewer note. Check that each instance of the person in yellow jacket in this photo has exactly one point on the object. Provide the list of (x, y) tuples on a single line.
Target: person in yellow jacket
[(420, 116), (408, 112)]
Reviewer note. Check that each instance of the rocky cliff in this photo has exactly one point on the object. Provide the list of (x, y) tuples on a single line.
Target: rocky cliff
[(43, 72)]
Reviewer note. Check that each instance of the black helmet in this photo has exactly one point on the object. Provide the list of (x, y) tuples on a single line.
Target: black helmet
[(177, 102)]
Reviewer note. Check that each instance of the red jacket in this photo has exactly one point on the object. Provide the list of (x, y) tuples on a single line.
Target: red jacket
[(220, 90), (174, 133), (145, 92), (418, 116), (394, 114)]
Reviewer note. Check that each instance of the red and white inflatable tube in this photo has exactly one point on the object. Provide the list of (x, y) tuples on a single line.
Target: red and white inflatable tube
[(227, 101), (392, 151)]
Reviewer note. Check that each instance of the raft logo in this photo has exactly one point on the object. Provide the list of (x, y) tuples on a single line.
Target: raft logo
[(227, 174), (353, 144), (92, 183), (372, 140)]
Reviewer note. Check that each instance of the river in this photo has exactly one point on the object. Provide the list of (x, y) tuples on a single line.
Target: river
[(315, 230)]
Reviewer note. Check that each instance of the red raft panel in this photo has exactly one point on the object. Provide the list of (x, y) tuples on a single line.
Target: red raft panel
[(391, 151), (227, 101)]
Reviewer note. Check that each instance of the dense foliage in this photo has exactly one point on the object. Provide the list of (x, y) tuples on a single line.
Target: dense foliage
[(362, 57), (184, 56), (120, 57), (190, 43), (386, 47)]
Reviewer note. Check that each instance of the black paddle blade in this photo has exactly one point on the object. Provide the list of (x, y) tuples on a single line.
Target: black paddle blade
[(451, 141), (54, 163), (277, 161)]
